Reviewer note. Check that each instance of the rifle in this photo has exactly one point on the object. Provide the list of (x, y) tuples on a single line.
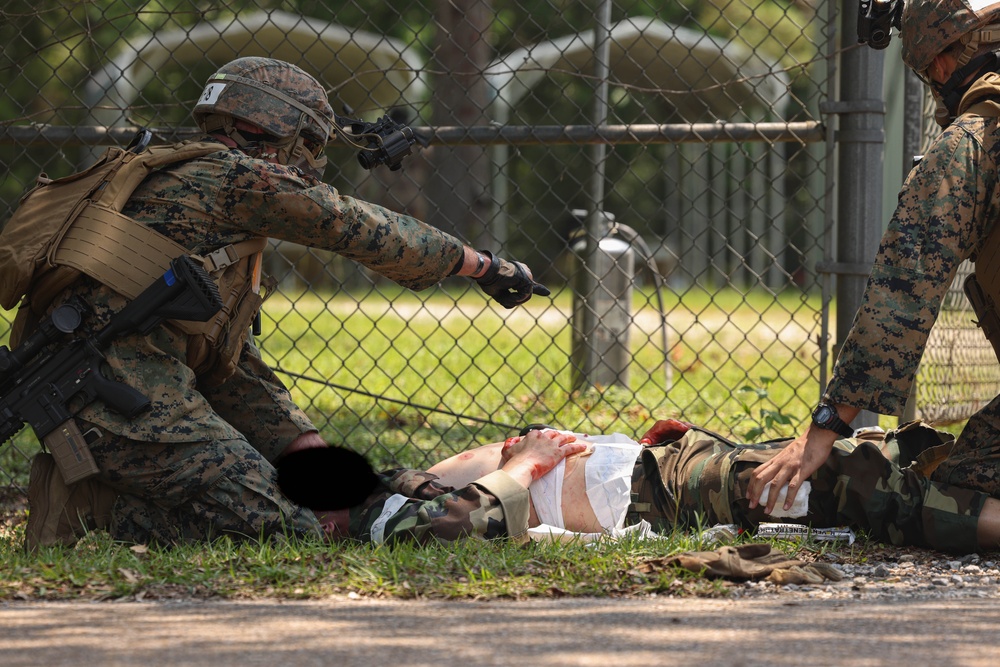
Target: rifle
[(46, 385)]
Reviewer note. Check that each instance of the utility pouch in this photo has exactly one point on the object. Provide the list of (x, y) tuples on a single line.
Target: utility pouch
[(70, 451)]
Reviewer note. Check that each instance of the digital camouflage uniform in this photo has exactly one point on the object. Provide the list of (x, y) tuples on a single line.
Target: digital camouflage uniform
[(947, 208), (701, 480), (198, 462)]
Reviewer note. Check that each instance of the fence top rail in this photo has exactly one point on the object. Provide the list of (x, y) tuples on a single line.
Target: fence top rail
[(521, 135)]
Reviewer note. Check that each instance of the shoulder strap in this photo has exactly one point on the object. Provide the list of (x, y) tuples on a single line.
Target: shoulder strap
[(988, 108), (126, 255), (136, 167)]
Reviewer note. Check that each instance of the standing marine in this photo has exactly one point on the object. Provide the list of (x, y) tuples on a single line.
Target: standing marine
[(947, 213)]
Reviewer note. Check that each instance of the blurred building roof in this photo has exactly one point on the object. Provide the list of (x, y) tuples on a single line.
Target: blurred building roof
[(361, 70), (701, 76)]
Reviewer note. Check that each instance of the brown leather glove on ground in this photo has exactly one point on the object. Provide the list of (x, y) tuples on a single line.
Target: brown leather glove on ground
[(746, 561)]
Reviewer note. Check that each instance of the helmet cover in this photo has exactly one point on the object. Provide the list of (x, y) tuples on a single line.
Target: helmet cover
[(277, 96), (929, 27)]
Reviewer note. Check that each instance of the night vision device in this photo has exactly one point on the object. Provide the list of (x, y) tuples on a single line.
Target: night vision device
[(876, 18), (385, 141)]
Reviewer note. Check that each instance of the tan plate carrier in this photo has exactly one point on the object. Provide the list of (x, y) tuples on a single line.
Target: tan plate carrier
[(74, 225)]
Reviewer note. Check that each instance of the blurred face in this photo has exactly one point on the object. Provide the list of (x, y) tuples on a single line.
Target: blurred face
[(942, 67)]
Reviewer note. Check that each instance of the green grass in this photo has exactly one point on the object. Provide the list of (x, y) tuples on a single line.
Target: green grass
[(409, 380), (98, 568), (454, 370)]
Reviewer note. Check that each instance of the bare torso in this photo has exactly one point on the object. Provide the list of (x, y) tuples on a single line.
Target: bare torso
[(465, 468)]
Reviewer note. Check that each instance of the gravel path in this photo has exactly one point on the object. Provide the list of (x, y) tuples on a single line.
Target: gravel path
[(894, 574), (897, 607)]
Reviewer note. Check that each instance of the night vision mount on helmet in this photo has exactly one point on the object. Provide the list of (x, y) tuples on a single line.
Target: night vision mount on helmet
[(929, 27), (387, 141), (293, 110)]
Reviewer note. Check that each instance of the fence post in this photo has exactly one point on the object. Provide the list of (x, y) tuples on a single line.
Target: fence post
[(860, 144), (912, 131), (587, 354)]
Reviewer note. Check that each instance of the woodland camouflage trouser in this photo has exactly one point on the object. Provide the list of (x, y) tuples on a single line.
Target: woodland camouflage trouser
[(180, 492), (702, 479)]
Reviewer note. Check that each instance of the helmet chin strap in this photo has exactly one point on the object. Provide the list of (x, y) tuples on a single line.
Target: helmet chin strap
[(294, 152), (950, 92), (297, 155)]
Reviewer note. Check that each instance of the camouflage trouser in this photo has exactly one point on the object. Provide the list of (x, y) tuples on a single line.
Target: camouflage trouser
[(974, 462), (702, 479), (171, 492)]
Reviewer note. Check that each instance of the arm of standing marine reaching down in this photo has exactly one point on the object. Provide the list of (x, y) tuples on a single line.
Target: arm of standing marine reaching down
[(796, 462)]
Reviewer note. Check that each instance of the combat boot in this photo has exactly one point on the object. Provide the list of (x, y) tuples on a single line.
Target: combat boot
[(59, 513)]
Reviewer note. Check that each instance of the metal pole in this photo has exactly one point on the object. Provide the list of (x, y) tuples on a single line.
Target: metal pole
[(861, 140), (913, 116), (598, 153), (588, 358), (443, 135), (501, 181)]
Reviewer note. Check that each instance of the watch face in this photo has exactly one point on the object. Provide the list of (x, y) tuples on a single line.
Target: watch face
[(823, 414)]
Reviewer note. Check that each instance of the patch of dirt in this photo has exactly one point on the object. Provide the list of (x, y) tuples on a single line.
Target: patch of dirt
[(892, 573)]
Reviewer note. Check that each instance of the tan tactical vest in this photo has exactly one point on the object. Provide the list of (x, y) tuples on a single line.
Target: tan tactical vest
[(74, 225)]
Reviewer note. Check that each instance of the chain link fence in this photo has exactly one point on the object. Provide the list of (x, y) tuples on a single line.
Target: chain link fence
[(661, 167)]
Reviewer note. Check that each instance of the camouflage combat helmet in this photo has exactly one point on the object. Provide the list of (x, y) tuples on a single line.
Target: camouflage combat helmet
[(929, 27), (280, 98)]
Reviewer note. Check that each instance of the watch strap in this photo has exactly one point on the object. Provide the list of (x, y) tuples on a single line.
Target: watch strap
[(836, 424)]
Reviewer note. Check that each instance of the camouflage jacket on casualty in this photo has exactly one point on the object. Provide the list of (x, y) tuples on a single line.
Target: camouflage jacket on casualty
[(947, 207), (227, 197), (412, 505)]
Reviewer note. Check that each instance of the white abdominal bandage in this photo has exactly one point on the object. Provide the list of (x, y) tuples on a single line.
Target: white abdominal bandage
[(608, 477), (546, 496)]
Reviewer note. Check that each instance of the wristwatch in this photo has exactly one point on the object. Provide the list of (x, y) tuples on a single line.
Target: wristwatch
[(825, 416)]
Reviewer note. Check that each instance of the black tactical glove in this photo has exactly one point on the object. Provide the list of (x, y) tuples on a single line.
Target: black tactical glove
[(508, 282)]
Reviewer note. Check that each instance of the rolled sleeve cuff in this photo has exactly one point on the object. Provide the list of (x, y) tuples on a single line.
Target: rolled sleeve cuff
[(514, 500), (865, 393)]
